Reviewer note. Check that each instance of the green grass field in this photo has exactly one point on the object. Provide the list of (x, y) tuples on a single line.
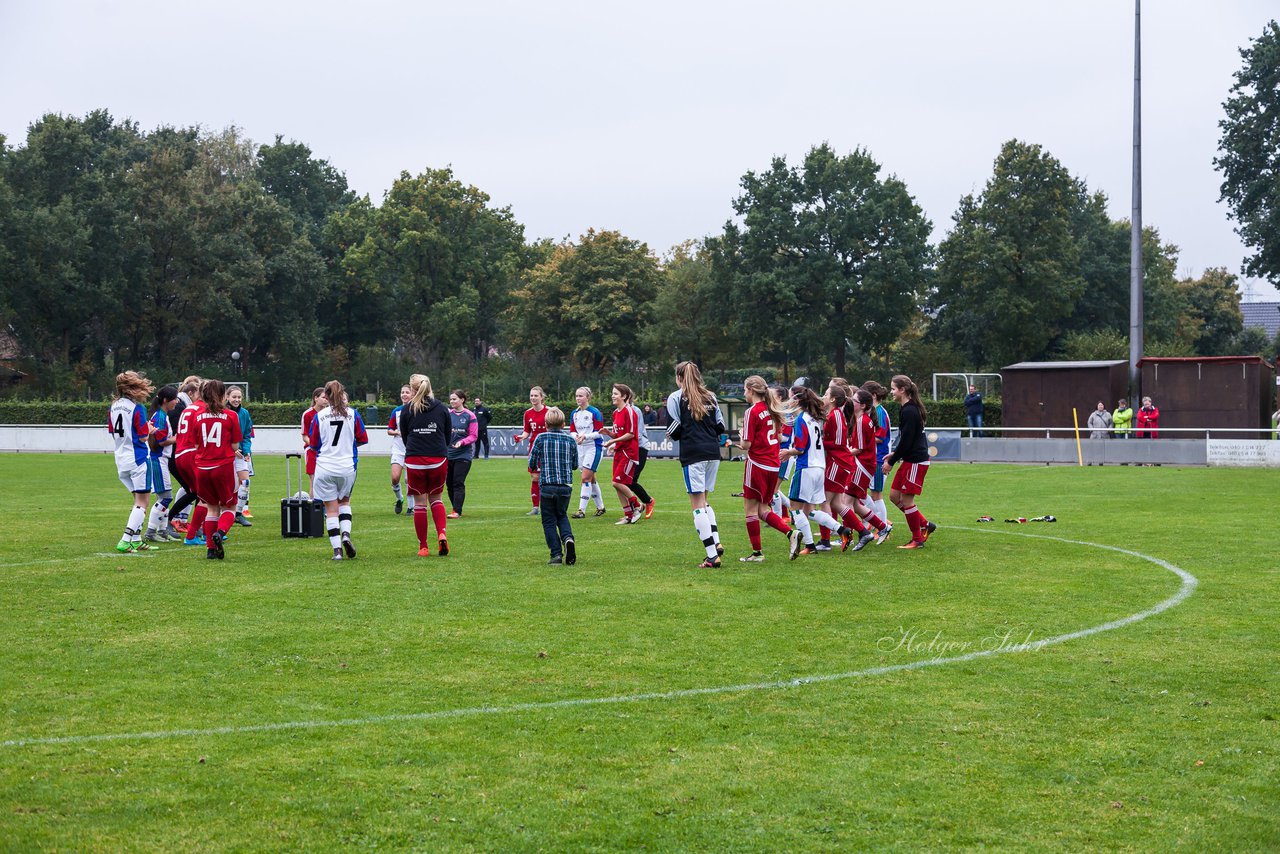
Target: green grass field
[(487, 701)]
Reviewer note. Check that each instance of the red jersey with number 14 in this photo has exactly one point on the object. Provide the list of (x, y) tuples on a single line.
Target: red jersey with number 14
[(535, 423), (217, 437), (761, 436)]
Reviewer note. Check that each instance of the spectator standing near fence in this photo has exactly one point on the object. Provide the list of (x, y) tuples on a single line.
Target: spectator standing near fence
[(973, 410), (1100, 422), (484, 415), (1148, 420), (1122, 419), (554, 456)]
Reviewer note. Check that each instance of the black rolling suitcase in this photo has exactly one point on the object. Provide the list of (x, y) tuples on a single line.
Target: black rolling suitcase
[(299, 517)]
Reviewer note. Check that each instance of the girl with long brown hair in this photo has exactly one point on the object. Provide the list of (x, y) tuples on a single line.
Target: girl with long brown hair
[(698, 425), (217, 434), (337, 432), (810, 455), (127, 423), (913, 452)]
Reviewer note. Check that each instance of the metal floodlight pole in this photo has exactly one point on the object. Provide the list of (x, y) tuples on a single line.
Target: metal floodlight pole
[(1135, 226)]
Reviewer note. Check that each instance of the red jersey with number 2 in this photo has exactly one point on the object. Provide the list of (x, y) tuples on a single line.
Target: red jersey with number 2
[(217, 437), (761, 437)]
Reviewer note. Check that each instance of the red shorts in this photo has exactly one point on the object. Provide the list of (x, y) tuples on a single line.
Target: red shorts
[(426, 474), (311, 461), (624, 467), (837, 477), (862, 478), (909, 479), (185, 466), (217, 485), (759, 483)]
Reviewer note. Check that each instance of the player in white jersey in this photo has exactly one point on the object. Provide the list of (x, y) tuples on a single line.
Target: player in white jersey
[(397, 450), (585, 425), (337, 432), (806, 447), (127, 423)]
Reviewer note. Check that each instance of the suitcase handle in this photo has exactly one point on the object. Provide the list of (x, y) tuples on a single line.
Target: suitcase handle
[(288, 484)]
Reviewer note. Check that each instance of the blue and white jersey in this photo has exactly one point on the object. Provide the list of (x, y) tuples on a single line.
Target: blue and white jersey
[(127, 423), (587, 423), (160, 432), (882, 438), (806, 436), (393, 423), (337, 439)]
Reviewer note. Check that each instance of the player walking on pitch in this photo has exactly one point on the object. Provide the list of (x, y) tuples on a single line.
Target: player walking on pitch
[(760, 439), (698, 425), (337, 432), (127, 423), (913, 452)]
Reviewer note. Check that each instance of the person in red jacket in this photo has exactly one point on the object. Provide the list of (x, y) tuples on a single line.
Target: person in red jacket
[(1148, 418)]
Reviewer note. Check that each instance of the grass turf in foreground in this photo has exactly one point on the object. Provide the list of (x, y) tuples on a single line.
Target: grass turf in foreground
[(1096, 742)]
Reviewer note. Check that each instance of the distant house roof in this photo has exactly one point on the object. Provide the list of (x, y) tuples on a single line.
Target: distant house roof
[(1049, 366), (1262, 315)]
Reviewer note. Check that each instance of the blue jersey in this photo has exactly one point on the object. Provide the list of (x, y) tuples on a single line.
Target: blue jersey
[(587, 424), (160, 432), (883, 434)]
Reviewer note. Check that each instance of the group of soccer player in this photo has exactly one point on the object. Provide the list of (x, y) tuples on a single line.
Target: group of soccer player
[(199, 435), (834, 451)]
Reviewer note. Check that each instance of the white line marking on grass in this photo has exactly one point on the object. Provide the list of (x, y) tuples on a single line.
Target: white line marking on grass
[(1189, 584)]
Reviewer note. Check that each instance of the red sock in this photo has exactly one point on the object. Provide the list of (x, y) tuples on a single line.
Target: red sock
[(437, 515), (753, 532), (421, 525), (825, 532), (208, 527), (534, 494), (773, 520), (225, 521), (851, 520), (198, 516), (635, 504), (913, 519), (876, 522)]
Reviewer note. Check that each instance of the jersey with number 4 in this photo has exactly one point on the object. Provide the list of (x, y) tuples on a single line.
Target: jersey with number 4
[(336, 440), (806, 437), (761, 437), (217, 436), (128, 425)]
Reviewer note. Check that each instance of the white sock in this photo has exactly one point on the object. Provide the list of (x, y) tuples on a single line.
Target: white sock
[(242, 496), (597, 496), (802, 522), (335, 537), (702, 524), (133, 530), (395, 487), (776, 503), (344, 518), (715, 530), (584, 495), (879, 508), (157, 521), (409, 504), (824, 519)]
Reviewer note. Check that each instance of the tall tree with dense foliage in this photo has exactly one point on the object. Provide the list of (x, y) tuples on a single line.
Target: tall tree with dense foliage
[(692, 312), (829, 240), (439, 257), (1249, 153), (1009, 276), (587, 302)]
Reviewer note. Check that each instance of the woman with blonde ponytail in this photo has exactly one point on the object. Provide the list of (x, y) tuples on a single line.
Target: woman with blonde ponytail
[(425, 426), (913, 452), (698, 425), (761, 429)]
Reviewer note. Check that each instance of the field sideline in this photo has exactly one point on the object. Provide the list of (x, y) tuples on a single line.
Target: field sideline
[(278, 701)]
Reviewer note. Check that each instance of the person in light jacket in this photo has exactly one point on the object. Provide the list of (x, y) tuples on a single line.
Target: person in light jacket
[(1122, 419), (1100, 422)]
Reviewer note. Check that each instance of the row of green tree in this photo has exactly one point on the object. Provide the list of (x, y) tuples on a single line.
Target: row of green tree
[(175, 248)]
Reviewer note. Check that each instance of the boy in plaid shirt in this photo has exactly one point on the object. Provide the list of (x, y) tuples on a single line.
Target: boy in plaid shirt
[(554, 456)]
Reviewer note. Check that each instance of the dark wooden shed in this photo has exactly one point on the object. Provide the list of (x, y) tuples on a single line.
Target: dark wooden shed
[(1042, 394), (1210, 391)]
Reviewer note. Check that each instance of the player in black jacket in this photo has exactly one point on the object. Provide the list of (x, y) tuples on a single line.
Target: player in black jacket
[(913, 452), (698, 425), (425, 426)]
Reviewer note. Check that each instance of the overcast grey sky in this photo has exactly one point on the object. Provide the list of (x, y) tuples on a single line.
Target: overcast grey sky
[(643, 117)]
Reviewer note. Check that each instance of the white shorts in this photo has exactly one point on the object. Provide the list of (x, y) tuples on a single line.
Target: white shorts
[(136, 479), (331, 487), (589, 456), (244, 465), (701, 477), (160, 480), (397, 458), (808, 487)]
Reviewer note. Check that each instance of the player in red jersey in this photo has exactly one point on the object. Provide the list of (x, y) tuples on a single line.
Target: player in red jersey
[(318, 402), (535, 423), (217, 434), (626, 453), (862, 439), (184, 462), (760, 439)]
